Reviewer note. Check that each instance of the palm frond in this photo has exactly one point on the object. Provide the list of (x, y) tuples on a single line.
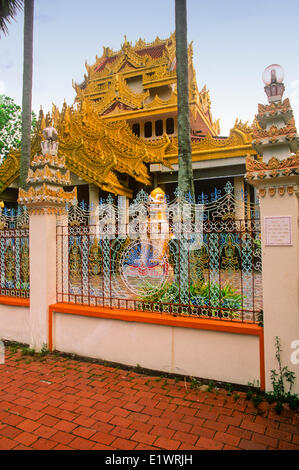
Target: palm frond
[(8, 12)]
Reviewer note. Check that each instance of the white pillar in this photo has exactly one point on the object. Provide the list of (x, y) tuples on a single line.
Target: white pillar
[(280, 258), (42, 236)]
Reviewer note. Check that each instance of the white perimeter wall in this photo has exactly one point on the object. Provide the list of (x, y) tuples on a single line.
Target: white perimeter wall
[(227, 357), (14, 323)]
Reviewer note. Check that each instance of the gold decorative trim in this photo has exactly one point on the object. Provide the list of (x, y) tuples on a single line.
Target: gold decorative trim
[(157, 102), (274, 108), (275, 168), (274, 163), (281, 190), (289, 130), (290, 190), (262, 192), (54, 210)]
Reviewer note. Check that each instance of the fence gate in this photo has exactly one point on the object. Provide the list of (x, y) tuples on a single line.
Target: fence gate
[(14, 253), (156, 255)]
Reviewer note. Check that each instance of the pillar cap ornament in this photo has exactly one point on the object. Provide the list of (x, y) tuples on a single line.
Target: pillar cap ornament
[(46, 177), (274, 128), (50, 133)]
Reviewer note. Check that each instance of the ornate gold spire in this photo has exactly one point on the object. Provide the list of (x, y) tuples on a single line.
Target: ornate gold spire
[(46, 177)]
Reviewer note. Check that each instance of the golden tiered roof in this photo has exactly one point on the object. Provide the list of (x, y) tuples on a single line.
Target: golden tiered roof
[(107, 83)]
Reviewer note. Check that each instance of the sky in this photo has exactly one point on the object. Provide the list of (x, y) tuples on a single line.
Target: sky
[(233, 42)]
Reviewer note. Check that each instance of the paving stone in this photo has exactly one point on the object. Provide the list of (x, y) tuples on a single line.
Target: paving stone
[(41, 410)]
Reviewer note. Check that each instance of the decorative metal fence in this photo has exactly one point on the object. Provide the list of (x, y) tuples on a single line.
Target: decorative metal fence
[(176, 257), (14, 253)]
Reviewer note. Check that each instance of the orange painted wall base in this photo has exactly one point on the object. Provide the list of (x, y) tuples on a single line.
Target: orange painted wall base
[(226, 326)]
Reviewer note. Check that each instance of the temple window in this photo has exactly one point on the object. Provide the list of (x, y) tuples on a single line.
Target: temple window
[(169, 126), (135, 83), (148, 131), (136, 129), (159, 127)]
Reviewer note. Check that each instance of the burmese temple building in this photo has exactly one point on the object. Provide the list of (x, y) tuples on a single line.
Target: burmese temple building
[(116, 245), (120, 135)]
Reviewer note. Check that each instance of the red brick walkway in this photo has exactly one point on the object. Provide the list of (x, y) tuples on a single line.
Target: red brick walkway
[(60, 403)]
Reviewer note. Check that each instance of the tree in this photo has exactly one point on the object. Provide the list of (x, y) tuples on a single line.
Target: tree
[(8, 11), (11, 125), (185, 173), (27, 92)]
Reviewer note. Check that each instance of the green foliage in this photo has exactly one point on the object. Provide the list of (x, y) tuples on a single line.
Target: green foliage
[(27, 351), (8, 11), (278, 407), (284, 374), (229, 389), (228, 295), (13, 348), (269, 398), (279, 380), (11, 125), (194, 383), (211, 386), (200, 295), (257, 399), (293, 401), (258, 243), (260, 318), (44, 350)]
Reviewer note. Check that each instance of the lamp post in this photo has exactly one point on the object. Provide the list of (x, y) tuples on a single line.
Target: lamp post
[(273, 76)]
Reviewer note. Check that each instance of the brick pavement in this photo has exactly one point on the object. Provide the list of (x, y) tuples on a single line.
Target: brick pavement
[(60, 403)]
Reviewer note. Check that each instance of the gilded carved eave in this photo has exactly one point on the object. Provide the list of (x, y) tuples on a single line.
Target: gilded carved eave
[(237, 144), (118, 91), (96, 150), (274, 168), (46, 198), (46, 174), (10, 169)]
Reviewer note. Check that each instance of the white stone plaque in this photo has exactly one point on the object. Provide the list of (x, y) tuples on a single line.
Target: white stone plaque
[(278, 230)]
